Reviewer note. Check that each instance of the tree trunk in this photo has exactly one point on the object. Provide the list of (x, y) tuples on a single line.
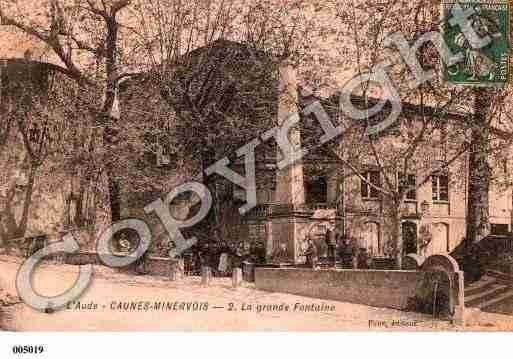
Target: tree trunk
[(397, 232), (208, 158), (110, 133), (478, 225), (340, 204), (79, 212), (22, 226), (7, 216), (115, 197), (9, 227)]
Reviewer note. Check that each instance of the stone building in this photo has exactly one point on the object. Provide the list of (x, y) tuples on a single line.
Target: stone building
[(41, 198), (433, 217), (319, 191)]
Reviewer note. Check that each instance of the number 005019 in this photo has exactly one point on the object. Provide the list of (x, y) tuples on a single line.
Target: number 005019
[(28, 349)]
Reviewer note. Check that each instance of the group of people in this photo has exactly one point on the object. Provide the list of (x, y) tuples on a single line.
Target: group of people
[(222, 257), (340, 249)]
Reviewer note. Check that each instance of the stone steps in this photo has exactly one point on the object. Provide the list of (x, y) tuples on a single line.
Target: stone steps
[(487, 292), (479, 286), (501, 276), (496, 300), (477, 299)]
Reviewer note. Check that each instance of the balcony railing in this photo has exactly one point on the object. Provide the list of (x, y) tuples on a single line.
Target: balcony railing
[(264, 210), (317, 206)]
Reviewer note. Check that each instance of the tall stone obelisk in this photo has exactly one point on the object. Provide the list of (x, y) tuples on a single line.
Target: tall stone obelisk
[(289, 218), (289, 180)]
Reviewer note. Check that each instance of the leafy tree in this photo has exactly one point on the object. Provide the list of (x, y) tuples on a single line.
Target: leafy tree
[(85, 39)]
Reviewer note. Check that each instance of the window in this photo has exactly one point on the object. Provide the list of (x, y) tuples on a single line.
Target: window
[(497, 229), (440, 187), (370, 192), (163, 159), (317, 191), (162, 150), (239, 193), (408, 183)]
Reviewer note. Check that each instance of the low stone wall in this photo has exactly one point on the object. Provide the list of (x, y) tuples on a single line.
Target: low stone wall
[(163, 266), (154, 265), (81, 258), (379, 288)]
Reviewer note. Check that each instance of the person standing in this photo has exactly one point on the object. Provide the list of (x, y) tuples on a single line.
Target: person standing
[(363, 259), (214, 258), (140, 264), (238, 256), (331, 243), (222, 268), (260, 254), (354, 258), (280, 254), (223, 259), (311, 254), (206, 255), (197, 259), (347, 251)]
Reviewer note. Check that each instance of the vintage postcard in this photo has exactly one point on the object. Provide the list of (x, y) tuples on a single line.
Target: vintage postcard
[(255, 165)]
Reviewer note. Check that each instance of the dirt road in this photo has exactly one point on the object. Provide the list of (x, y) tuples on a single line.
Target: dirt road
[(121, 302)]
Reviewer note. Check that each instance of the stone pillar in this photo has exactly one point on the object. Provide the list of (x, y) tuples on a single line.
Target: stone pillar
[(459, 317), (236, 277), (176, 271), (269, 245), (289, 219), (206, 275), (336, 199), (425, 234)]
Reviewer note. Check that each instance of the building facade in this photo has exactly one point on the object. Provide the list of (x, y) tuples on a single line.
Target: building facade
[(320, 191), (349, 195)]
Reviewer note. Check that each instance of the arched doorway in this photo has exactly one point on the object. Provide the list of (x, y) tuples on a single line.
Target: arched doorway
[(409, 230)]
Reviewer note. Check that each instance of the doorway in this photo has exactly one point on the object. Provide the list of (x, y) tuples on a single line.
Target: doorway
[(409, 238)]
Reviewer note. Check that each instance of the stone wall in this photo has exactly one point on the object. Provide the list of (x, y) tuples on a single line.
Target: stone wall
[(154, 265), (378, 288), (158, 266)]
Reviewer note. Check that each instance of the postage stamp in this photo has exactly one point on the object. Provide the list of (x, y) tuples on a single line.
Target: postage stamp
[(483, 64)]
